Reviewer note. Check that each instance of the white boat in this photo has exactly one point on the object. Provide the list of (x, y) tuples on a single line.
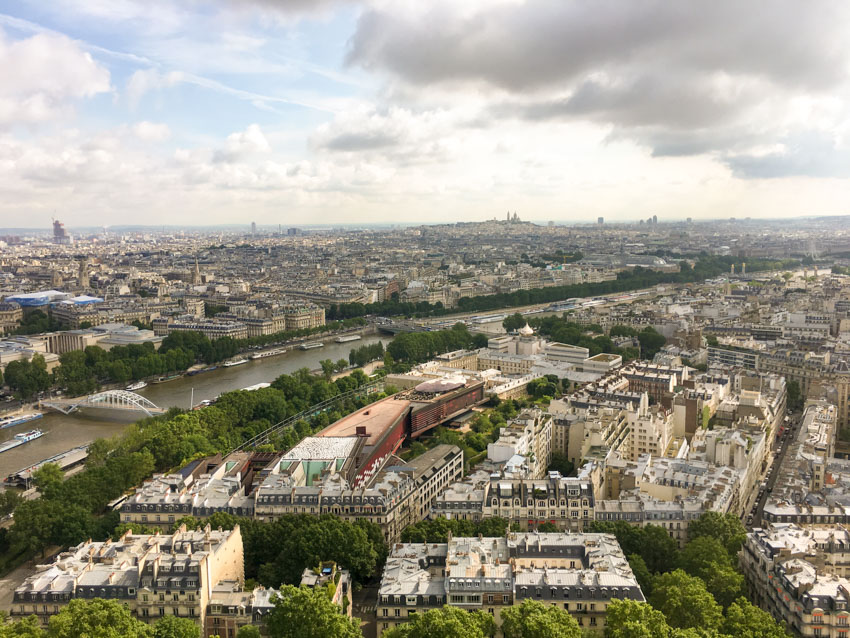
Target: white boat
[(347, 338), (138, 385), (20, 439), (268, 353), (311, 345), (12, 421), (237, 362)]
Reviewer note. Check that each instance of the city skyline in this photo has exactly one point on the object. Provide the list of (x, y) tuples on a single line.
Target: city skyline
[(341, 112)]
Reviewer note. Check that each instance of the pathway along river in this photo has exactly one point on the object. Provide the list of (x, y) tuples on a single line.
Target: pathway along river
[(63, 432)]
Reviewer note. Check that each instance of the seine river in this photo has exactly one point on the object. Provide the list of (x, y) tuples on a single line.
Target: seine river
[(65, 432)]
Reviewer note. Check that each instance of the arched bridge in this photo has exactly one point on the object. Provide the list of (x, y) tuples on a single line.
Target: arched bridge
[(109, 400)]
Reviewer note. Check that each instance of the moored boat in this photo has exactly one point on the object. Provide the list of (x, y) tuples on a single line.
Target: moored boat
[(18, 419), (20, 439)]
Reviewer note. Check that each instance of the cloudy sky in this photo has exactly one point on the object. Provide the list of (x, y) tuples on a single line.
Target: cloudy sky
[(322, 111)]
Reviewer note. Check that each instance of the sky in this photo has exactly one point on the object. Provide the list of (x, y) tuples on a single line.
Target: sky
[(194, 112)]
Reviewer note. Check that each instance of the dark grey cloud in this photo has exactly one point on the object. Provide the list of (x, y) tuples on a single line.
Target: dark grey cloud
[(681, 78), (359, 141), (541, 43), (807, 155), (290, 6)]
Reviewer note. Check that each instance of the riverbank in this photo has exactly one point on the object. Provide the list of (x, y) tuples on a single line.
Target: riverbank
[(63, 432)]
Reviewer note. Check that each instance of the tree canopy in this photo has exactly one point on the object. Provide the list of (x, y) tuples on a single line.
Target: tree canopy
[(726, 528), (533, 619), (446, 622), (684, 601), (302, 612)]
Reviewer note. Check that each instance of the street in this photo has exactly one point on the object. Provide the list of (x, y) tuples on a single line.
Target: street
[(791, 432)]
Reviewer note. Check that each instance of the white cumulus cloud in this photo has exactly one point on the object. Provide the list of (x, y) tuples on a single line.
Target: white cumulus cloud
[(151, 131), (43, 75)]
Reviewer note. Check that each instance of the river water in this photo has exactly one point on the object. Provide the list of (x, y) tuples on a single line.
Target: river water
[(63, 432)]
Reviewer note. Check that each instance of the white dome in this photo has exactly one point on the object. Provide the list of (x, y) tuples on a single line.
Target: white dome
[(526, 330)]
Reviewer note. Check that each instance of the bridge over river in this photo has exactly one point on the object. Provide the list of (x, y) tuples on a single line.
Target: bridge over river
[(114, 400)]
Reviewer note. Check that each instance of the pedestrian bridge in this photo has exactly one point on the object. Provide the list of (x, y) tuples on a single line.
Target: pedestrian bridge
[(109, 400)]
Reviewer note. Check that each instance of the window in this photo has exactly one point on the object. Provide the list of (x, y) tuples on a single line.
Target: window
[(398, 612)]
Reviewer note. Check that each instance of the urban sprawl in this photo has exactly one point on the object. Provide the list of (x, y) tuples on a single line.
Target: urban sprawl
[(599, 426)]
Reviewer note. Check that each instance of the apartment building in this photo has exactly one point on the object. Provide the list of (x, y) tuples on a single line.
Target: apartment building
[(580, 573), (200, 489), (11, 314), (524, 444), (154, 575), (567, 502), (230, 608), (317, 477), (584, 429), (210, 328), (799, 573)]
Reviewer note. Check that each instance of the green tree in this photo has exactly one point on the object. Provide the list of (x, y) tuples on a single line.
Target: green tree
[(745, 620), (248, 631), (560, 463), (28, 378), (301, 612), (633, 619), (702, 553), (705, 557), (96, 618), (174, 627), (28, 627), (74, 375), (533, 619), (795, 395), (48, 479), (341, 365), (658, 549), (135, 528), (684, 601), (447, 622), (327, 368), (727, 528), (641, 572), (9, 500), (33, 527), (513, 322), (650, 342), (724, 583)]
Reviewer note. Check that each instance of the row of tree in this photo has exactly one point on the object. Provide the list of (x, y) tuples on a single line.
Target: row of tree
[(705, 267), (83, 371), (36, 322), (27, 378), (416, 347), (298, 612), (364, 354)]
